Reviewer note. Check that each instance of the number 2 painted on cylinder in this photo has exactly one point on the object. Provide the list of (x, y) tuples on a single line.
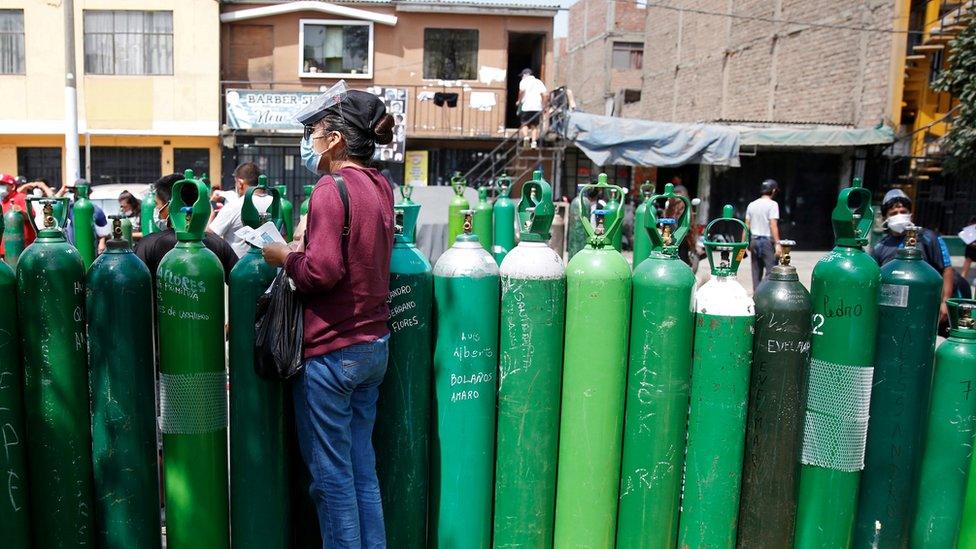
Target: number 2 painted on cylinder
[(818, 322)]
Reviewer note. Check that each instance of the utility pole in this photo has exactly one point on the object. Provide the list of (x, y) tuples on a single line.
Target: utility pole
[(71, 160)]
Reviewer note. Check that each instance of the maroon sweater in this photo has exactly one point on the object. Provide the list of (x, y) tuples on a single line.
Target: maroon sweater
[(345, 301)]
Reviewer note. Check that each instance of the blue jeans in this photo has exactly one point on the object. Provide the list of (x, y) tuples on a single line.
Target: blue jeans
[(763, 258), (335, 408)]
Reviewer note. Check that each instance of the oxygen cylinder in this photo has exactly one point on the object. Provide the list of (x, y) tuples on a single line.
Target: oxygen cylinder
[(259, 474), (123, 404), (780, 359), (51, 316), (724, 324), (84, 224), (126, 226), (13, 235), (192, 381), (911, 292), (948, 445), (146, 208), (558, 240), (14, 505), (402, 433), (530, 371), (642, 243), (615, 209), (504, 220), (307, 190), (958, 353), (287, 213), (455, 220), (482, 219), (575, 234), (598, 290), (658, 384), (465, 362), (844, 293)]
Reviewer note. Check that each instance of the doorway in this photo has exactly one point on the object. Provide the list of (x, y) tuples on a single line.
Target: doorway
[(525, 51)]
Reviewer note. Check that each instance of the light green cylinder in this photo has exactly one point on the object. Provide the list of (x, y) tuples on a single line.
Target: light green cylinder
[(642, 242), (960, 353), (598, 291), (948, 447), (466, 290), (504, 221), (615, 207), (84, 225), (455, 221), (482, 219)]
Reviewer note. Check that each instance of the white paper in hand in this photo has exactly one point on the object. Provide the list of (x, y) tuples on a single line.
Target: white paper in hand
[(265, 234), (968, 234)]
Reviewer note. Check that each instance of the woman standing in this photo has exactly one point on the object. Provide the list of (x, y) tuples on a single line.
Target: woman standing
[(342, 275)]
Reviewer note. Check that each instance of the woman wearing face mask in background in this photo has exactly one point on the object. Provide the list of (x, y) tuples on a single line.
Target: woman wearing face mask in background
[(343, 281), (896, 208)]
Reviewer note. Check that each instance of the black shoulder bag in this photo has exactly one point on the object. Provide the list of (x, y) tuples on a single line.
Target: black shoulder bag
[(279, 319)]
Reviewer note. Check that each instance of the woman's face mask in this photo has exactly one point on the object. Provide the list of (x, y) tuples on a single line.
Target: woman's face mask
[(898, 222), (160, 222), (310, 158)]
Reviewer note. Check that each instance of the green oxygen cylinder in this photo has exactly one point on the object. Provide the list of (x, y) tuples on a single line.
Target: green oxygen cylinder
[(259, 488), (911, 292), (466, 287), (123, 404), (147, 207), (615, 209), (958, 352), (780, 359), (844, 292), (575, 234), (482, 219), (658, 383), (504, 220), (455, 220), (192, 380), (13, 235), (402, 433), (598, 291), (724, 324), (642, 242), (14, 506), (948, 445), (530, 371), (307, 190), (287, 213), (126, 226), (83, 224), (51, 317)]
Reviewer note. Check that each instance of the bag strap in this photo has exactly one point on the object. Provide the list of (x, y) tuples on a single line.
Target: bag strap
[(344, 197)]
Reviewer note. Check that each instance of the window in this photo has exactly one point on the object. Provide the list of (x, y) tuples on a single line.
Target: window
[(128, 42), (123, 164), (632, 96), (451, 54), (628, 55), (197, 160), (11, 41), (336, 49), (40, 163)]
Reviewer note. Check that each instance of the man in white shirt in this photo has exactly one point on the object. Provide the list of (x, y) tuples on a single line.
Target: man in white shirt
[(228, 219), (530, 99), (762, 218)]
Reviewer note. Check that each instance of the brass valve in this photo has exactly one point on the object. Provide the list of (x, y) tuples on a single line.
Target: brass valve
[(787, 246)]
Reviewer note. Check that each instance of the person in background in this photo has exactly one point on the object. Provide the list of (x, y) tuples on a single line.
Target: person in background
[(11, 197), (130, 207), (970, 254), (343, 280), (896, 209), (531, 98), (100, 225), (153, 247), (227, 221), (687, 247), (762, 218)]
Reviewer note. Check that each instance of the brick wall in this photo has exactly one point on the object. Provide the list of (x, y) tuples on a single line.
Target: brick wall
[(703, 67)]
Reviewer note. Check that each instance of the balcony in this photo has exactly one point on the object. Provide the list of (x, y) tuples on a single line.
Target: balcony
[(477, 111)]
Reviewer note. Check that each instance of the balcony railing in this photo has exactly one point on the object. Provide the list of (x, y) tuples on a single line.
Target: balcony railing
[(477, 111)]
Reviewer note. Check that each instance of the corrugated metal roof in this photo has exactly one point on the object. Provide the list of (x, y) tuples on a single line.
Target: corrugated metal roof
[(533, 5)]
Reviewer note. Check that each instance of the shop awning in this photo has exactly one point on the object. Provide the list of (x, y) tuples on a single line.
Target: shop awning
[(824, 136), (632, 142)]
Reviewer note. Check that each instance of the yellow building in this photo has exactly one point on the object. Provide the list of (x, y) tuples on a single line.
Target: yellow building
[(148, 84)]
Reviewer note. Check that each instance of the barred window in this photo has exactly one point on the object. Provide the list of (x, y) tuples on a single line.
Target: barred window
[(11, 41), (128, 42), (451, 54)]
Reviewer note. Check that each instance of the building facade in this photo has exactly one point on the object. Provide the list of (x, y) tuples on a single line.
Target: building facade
[(147, 84), (828, 66), (448, 71)]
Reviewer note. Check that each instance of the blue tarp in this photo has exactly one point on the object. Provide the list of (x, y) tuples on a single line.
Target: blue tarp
[(631, 142), (816, 137)]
